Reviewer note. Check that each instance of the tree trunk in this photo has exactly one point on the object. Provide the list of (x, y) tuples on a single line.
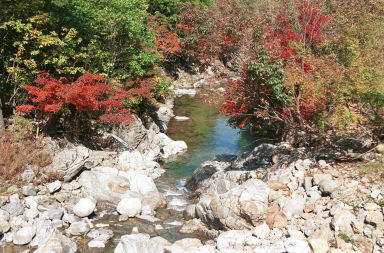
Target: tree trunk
[(2, 124)]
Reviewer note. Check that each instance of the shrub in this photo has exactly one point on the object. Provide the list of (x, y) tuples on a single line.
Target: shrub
[(17, 153), (88, 95)]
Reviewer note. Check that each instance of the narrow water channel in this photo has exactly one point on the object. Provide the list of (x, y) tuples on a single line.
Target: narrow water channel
[(207, 135)]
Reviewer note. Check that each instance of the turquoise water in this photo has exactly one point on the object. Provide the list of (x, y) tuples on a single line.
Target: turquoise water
[(206, 133)]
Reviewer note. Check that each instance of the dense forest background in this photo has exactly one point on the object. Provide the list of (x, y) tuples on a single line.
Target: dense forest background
[(314, 65)]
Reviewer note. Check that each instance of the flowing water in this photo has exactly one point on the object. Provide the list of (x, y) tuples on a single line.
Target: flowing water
[(206, 134)]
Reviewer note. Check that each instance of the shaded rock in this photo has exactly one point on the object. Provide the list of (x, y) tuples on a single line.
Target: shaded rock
[(189, 212), (375, 218), (67, 163), (24, 235), (319, 240), (55, 212), (84, 207), (54, 186), (328, 186), (28, 175), (160, 241), (276, 218), (100, 238), (29, 190), (78, 228), (242, 207), (292, 206), (57, 243), (341, 222)]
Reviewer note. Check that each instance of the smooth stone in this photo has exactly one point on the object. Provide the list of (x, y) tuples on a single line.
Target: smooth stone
[(29, 190), (24, 235), (129, 206), (294, 245), (84, 207)]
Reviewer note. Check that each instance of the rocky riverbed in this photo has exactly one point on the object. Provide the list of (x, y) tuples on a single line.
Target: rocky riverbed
[(273, 198)]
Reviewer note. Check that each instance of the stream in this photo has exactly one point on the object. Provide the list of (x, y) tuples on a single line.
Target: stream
[(207, 135)]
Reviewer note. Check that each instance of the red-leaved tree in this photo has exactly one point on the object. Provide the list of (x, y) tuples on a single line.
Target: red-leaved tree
[(89, 94)]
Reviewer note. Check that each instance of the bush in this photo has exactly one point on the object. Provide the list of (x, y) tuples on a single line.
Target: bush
[(17, 153)]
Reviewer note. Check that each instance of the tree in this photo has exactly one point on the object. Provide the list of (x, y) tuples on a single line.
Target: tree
[(285, 84), (2, 124)]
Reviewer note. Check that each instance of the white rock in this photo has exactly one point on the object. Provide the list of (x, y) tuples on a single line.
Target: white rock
[(84, 207), (182, 92), (293, 245), (181, 118), (24, 235), (138, 243), (261, 231), (292, 206), (54, 186), (129, 206)]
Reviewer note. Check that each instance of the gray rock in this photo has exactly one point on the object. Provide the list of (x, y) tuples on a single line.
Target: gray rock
[(189, 212), (242, 207), (55, 213), (57, 243), (3, 200), (14, 208), (54, 186), (29, 190), (292, 206), (327, 187), (67, 163), (341, 222), (4, 224), (78, 228), (84, 207), (100, 238), (137, 243), (308, 227), (24, 235), (317, 178), (28, 175), (233, 240)]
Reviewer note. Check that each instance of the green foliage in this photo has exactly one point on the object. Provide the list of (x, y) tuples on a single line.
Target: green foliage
[(120, 43)]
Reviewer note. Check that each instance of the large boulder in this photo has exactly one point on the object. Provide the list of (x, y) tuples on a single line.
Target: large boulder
[(67, 163), (134, 160), (241, 207), (108, 186), (57, 243)]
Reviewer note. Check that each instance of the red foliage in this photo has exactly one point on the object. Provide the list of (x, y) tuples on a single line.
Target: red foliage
[(87, 94), (167, 42), (291, 41)]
